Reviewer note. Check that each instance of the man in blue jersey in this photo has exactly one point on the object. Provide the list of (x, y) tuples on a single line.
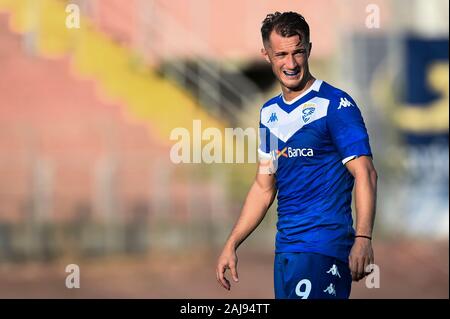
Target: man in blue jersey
[(314, 138)]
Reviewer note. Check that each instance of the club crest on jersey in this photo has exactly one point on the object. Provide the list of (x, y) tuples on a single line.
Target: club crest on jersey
[(307, 111)]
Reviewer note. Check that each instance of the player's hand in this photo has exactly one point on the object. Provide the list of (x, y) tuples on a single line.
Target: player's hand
[(360, 257), (227, 260)]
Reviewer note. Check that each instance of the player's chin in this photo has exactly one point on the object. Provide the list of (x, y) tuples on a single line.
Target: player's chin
[(291, 82), (292, 85)]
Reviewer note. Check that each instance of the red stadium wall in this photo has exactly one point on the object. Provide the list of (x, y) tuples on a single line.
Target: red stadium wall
[(56, 126)]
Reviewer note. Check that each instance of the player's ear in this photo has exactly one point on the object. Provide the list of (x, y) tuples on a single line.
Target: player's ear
[(265, 55), (310, 49)]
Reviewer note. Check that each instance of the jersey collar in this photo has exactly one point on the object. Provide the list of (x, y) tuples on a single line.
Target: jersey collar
[(314, 87)]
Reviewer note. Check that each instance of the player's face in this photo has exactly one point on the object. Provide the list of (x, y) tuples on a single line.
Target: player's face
[(289, 60)]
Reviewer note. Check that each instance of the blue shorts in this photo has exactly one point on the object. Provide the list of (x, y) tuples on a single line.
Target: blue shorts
[(311, 276)]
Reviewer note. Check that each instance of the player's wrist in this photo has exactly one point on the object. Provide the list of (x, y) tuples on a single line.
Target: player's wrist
[(231, 245), (364, 237)]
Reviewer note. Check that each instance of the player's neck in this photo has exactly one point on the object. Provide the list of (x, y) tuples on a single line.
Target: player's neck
[(289, 94)]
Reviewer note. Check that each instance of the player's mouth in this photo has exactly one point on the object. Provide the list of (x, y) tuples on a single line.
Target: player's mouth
[(291, 74)]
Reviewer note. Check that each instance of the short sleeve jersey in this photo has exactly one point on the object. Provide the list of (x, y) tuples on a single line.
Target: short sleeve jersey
[(310, 139)]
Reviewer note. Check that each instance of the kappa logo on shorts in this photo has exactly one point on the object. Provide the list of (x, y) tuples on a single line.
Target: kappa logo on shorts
[(331, 290), (334, 271)]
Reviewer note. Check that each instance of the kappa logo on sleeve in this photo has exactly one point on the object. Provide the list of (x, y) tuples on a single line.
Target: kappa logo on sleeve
[(344, 103)]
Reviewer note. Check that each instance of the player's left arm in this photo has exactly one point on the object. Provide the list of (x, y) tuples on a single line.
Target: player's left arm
[(365, 176)]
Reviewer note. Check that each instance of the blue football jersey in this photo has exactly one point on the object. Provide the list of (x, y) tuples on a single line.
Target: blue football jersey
[(310, 139)]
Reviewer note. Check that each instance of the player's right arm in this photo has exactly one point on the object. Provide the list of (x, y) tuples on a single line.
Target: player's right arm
[(258, 200)]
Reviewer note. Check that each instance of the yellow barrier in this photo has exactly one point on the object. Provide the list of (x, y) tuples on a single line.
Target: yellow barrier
[(147, 98)]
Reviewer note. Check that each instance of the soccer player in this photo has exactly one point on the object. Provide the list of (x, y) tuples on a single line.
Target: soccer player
[(314, 137)]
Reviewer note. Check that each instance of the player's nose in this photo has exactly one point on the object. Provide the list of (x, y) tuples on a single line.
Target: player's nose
[(291, 63)]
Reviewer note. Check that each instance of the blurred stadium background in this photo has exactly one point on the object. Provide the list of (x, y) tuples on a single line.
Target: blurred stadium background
[(86, 114)]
